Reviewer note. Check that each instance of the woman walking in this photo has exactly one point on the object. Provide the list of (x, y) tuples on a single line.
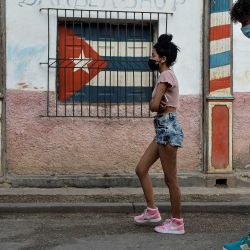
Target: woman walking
[(169, 137)]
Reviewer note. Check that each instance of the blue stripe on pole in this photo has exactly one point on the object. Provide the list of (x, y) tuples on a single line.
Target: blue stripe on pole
[(220, 5), (220, 59), (102, 94)]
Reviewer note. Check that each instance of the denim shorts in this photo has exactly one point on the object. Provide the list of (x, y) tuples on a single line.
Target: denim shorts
[(168, 130)]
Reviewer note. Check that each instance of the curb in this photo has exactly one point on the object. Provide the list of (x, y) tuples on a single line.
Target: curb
[(194, 207)]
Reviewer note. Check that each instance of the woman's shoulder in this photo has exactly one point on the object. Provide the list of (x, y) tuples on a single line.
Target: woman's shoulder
[(167, 76)]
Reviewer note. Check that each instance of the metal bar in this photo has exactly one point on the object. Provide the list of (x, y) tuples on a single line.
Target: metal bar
[(108, 60), (97, 89), (118, 11), (142, 54), (118, 54), (86, 116), (87, 64), (158, 22), (133, 70), (81, 60), (150, 49), (105, 89), (48, 102), (110, 80), (56, 85), (166, 24), (126, 53), (65, 79), (74, 61)]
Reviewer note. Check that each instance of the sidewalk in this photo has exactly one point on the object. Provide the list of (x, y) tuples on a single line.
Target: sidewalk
[(128, 200)]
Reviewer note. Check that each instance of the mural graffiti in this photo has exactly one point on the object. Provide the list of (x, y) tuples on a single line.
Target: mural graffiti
[(124, 4), (23, 57), (176, 2)]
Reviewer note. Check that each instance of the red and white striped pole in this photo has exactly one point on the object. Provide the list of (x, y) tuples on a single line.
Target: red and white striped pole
[(220, 96)]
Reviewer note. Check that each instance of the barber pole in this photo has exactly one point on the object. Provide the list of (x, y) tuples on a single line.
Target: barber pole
[(220, 88)]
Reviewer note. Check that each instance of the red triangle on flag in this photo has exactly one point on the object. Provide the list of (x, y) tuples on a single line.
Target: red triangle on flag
[(78, 63)]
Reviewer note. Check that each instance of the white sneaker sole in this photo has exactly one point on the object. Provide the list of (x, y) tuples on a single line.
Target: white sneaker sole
[(170, 232), (148, 221)]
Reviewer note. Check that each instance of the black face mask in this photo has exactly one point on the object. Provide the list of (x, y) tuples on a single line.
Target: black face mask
[(153, 65)]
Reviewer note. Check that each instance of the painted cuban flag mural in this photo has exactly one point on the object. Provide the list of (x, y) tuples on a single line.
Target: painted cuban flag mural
[(104, 62)]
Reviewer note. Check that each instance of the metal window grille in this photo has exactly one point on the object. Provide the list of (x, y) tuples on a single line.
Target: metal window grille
[(97, 62)]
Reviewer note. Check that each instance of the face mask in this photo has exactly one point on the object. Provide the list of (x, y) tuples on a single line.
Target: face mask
[(153, 65), (246, 30)]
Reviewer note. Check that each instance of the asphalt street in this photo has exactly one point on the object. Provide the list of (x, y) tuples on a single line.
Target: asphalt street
[(116, 231)]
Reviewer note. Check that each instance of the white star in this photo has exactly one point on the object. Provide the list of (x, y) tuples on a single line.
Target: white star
[(81, 62)]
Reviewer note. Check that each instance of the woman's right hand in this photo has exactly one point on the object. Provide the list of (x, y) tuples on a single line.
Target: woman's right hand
[(163, 103)]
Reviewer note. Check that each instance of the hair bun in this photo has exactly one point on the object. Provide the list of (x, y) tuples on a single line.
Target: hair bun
[(165, 38)]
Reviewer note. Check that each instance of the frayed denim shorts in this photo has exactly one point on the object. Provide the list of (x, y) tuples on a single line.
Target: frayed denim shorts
[(168, 130)]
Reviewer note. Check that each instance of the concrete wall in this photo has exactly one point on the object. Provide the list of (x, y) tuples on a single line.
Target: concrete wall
[(45, 146)]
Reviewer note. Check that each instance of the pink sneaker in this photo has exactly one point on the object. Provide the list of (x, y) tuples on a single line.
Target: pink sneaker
[(149, 215), (171, 226)]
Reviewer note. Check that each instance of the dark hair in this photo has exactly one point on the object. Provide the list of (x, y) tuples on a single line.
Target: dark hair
[(165, 47), (240, 11)]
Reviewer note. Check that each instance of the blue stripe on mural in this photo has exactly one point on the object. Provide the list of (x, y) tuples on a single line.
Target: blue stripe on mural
[(220, 59), (127, 63), (113, 32), (107, 94), (220, 5), (136, 64)]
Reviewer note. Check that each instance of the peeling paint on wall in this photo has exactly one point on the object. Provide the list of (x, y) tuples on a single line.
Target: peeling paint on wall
[(27, 86), (21, 59)]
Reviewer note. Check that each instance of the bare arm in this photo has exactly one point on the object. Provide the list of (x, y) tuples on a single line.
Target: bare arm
[(156, 100)]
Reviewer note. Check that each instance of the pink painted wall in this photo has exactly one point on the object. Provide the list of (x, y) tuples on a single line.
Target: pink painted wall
[(241, 130), (71, 146)]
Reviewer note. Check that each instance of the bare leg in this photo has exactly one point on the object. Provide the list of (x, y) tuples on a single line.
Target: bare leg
[(168, 155), (147, 160)]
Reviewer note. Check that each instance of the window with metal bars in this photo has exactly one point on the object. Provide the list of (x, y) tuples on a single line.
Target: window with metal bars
[(101, 62)]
